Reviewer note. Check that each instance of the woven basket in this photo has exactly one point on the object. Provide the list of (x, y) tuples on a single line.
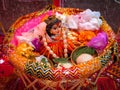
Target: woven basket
[(79, 71)]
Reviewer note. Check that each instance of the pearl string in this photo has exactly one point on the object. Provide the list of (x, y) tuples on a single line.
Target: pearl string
[(48, 48), (64, 42)]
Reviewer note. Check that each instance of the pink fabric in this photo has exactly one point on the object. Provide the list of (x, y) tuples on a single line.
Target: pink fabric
[(29, 36), (28, 26)]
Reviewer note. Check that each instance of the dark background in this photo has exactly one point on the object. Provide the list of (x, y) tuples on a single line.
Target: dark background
[(10, 10)]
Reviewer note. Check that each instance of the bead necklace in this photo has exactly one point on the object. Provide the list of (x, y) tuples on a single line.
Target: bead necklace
[(64, 42)]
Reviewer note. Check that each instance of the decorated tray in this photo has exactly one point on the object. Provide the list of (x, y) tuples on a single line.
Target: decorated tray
[(61, 43)]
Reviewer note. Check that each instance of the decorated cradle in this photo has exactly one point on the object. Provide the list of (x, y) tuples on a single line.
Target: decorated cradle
[(86, 45)]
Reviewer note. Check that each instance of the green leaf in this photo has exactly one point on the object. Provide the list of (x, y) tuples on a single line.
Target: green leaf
[(60, 60), (36, 64), (43, 60)]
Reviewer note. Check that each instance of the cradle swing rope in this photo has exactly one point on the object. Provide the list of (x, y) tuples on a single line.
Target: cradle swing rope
[(2, 28)]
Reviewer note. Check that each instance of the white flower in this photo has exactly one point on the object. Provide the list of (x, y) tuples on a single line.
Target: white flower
[(69, 21), (89, 20), (39, 58), (72, 21), (65, 65), (62, 17)]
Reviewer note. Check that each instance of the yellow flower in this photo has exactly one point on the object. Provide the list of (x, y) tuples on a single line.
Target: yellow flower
[(24, 50), (86, 35)]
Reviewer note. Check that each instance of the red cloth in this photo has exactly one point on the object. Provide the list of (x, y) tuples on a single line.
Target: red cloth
[(105, 83), (6, 69), (56, 3)]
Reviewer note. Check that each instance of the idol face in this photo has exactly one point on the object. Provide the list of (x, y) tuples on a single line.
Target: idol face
[(56, 31)]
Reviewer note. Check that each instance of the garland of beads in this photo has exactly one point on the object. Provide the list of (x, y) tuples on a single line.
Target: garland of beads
[(64, 42), (48, 48), (64, 31)]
